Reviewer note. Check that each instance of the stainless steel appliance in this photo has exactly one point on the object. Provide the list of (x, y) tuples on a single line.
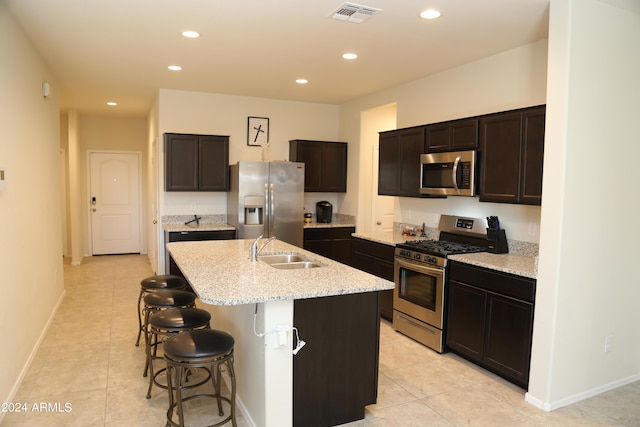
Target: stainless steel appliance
[(324, 211), (451, 174), (267, 198), (420, 272)]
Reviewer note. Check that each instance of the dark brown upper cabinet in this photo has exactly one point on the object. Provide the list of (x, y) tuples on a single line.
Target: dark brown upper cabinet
[(512, 151), (455, 135), (399, 162), (325, 164), (196, 162)]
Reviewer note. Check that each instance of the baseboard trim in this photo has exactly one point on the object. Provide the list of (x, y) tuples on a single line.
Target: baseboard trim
[(569, 400), (34, 351)]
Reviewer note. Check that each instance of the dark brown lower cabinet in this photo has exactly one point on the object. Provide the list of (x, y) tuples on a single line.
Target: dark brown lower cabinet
[(330, 242), (490, 320), (335, 375), (377, 259)]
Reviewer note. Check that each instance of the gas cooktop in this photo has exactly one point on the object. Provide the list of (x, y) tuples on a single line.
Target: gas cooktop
[(440, 247)]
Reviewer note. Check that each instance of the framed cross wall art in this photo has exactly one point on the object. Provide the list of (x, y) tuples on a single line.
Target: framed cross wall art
[(257, 131)]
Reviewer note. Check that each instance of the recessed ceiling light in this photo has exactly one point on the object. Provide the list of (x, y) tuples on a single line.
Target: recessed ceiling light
[(112, 104), (429, 14), (174, 67), (302, 81), (191, 34), (349, 56)]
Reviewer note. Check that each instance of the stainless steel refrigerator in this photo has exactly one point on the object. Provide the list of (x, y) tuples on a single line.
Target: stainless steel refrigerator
[(267, 198)]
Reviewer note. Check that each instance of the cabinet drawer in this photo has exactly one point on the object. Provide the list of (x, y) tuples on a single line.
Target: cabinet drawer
[(378, 250), (328, 233), (509, 285), (191, 236)]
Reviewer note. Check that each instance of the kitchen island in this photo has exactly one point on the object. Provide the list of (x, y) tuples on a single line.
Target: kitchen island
[(333, 308)]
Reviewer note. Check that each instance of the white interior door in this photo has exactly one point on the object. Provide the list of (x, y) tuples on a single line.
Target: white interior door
[(114, 202), (382, 206)]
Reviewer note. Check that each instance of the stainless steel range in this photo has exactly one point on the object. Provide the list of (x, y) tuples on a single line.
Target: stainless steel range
[(419, 301)]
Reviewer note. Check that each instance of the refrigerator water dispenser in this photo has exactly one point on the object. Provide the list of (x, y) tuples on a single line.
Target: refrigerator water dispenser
[(253, 206)]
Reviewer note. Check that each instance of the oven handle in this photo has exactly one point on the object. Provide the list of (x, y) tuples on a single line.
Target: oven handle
[(455, 174), (420, 268)]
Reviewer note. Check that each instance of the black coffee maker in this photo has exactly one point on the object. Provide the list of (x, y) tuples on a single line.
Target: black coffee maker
[(324, 210)]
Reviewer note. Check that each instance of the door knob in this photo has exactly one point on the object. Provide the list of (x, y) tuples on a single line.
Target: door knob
[(379, 222), (94, 209)]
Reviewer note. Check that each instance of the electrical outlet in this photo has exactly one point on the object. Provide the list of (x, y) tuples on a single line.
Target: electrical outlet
[(533, 228), (407, 214), (608, 343), (193, 207)]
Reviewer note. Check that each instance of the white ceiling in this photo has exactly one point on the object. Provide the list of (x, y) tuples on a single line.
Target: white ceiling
[(103, 50)]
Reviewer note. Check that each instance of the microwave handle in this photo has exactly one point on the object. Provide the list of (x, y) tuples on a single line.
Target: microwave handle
[(455, 174)]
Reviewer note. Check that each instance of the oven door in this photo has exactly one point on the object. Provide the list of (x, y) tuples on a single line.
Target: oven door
[(419, 291)]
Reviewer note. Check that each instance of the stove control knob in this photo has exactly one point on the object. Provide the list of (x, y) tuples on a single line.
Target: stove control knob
[(416, 257)]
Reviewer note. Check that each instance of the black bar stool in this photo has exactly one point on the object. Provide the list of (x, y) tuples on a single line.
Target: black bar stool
[(207, 348), (161, 300), (165, 323), (154, 283)]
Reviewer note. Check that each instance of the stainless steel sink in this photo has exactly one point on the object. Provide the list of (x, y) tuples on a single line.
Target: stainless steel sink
[(289, 261)]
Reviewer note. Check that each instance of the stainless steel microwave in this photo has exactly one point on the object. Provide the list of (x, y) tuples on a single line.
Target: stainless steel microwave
[(451, 174)]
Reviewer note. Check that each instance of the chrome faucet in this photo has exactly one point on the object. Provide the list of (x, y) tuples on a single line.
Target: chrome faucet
[(269, 240), (253, 249)]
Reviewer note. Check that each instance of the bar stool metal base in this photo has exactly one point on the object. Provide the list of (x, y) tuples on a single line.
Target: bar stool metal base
[(209, 349), (162, 300), (164, 324), (152, 284)]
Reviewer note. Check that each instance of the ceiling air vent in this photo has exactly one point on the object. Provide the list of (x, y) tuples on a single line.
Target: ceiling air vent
[(354, 13)]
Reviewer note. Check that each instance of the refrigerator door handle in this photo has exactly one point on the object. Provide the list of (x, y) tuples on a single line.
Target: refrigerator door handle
[(272, 210), (267, 216)]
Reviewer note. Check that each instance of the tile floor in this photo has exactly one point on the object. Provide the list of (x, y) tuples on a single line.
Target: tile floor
[(88, 360)]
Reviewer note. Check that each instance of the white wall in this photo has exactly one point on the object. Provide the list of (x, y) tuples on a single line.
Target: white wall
[(217, 114), (110, 134), (264, 374), (512, 79), (588, 278), (30, 221)]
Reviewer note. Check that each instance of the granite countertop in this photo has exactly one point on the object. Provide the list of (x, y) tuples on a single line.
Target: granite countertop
[(390, 238), (221, 273), (197, 227), (521, 264), (337, 220), (176, 223)]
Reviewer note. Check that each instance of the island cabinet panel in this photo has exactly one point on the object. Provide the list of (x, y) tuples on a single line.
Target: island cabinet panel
[(490, 320), (196, 162), (512, 149), (194, 236), (325, 164), (377, 259), (330, 242), (335, 375), (399, 162)]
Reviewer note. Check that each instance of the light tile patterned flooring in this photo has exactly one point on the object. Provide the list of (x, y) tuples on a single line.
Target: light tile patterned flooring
[(88, 359)]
